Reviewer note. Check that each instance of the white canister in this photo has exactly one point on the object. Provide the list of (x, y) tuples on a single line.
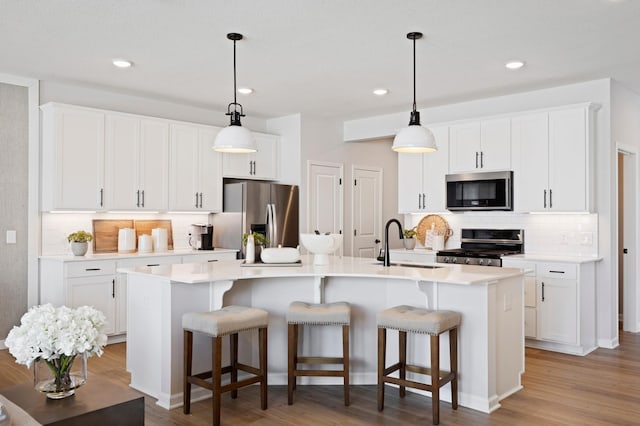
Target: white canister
[(160, 237), (145, 244), (126, 240), (438, 242)]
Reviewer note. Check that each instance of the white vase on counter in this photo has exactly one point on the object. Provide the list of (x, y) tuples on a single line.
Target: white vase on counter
[(250, 256)]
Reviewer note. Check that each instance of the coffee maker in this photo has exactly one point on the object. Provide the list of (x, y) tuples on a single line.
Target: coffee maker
[(201, 237)]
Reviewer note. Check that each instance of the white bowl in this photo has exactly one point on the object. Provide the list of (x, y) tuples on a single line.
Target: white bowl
[(280, 255), (321, 246)]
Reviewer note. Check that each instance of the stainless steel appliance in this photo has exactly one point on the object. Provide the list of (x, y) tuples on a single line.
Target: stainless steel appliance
[(484, 247), (480, 191), (201, 237), (252, 206)]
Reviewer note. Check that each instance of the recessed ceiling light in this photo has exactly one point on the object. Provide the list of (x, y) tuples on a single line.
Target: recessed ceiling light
[(121, 63), (514, 65), (380, 92), (245, 90)]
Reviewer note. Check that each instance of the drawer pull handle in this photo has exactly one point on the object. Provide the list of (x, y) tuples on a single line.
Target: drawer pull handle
[(92, 269), (212, 260), (557, 272), (153, 264)]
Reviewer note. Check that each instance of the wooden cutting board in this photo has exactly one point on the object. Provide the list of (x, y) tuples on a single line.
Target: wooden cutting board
[(105, 234), (435, 222), (145, 226)]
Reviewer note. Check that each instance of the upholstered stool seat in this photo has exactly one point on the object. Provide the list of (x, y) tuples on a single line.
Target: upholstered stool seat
[(321, 314), (228, 321), (410, 319)]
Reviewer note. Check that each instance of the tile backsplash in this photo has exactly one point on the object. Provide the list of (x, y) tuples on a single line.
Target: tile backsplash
[(566, 234), (56, 227)]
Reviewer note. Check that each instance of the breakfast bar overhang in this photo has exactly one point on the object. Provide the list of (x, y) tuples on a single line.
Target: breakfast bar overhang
[(491, 335)]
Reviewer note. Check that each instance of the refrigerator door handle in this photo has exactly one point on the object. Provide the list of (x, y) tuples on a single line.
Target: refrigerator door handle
[(274, 226), (269, 220)]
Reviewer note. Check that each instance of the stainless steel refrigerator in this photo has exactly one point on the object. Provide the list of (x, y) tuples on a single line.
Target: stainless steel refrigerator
[(268, 208)]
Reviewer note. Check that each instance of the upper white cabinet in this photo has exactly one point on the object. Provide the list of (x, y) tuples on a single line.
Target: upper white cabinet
[(480, 146), (196, 169), (552, 161), (72, 158), (421, 185), (136, 163), (262, 164)]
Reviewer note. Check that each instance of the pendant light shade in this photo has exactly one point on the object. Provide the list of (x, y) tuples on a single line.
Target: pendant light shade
[(235, 138), (415, 138)]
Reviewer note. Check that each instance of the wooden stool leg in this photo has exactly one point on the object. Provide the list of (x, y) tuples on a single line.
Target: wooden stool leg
[(382, 349), (453, 357), (435, 379), (262, 335), (216, 370), (292, 349), (345, 363), (233, 340), (402, 351), (187, 365)]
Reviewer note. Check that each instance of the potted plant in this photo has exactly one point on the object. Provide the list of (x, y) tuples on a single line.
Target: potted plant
[(252, 251), (79, 242), (409, 240)]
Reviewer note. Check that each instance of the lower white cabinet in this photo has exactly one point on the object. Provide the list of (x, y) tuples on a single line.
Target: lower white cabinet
[(560, 307), (418, 256), (211, 256)]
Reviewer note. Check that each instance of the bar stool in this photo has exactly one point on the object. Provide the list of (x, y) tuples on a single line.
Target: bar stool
[(229, 320), (301, 313), (419, 320)]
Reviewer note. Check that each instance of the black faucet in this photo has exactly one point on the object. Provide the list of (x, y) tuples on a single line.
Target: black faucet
[(387, 261)]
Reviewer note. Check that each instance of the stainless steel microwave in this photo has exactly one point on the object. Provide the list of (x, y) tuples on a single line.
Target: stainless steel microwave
[(480, 191)]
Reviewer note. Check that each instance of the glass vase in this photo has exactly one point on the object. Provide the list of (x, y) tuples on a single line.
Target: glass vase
[(59, 378)]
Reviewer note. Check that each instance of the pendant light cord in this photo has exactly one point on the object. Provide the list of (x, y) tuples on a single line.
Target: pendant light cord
[(414, 74), (235, 100)]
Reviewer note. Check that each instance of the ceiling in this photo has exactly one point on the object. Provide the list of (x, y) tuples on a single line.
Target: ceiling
[(321, 57)]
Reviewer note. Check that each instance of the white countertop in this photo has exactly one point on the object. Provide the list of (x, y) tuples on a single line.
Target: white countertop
[(116, 256), (231, 270)]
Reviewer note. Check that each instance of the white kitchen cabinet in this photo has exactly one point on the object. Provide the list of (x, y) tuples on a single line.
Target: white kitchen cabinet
[(74, 284), (421, 185), (136, 163), (211, 256), (262, 164), (195, 169), (480, 146), (560, 305), (72, 158), (417, 256), (552, 160)]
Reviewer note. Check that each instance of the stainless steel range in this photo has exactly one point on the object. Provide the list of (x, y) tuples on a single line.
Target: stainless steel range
[(484, 247)]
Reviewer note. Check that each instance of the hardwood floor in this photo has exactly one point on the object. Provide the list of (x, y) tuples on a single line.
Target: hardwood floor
[(602, 388)]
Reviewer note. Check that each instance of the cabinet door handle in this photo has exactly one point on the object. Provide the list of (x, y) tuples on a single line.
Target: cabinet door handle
[(201, 200), (556, 272), (550, 198), (419, 202), (254, 167), (543, 291), (153, 264), (424, 201), (250, 167), (481, 159), (196, 200), (138, 198), (212, 260), (101, 197), (545, 199), (91, 269), (113, 288), (143, 198), (476, 159)]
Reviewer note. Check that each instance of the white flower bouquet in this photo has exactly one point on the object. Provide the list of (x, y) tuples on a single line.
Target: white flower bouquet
[(57, 336)]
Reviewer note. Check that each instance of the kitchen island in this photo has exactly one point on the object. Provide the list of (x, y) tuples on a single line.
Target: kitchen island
[(491, 338)]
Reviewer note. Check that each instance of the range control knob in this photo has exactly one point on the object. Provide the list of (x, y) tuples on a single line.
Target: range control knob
[(454, 260), (481, 262), (467, 261), (489, 262)]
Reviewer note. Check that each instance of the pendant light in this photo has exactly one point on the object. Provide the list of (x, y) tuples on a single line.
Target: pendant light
[(234, 138), (415, 138)]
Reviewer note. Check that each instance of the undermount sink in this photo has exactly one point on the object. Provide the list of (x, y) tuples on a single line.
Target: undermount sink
[(413, 265)]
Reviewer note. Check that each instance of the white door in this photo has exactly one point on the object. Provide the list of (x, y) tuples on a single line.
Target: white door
[(367, 211), (629, 297), (325, 200)]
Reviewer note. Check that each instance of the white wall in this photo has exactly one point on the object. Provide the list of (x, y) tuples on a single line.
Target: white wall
[(75, 94), (597, 91)]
